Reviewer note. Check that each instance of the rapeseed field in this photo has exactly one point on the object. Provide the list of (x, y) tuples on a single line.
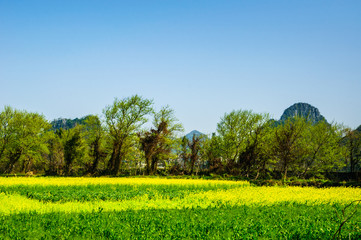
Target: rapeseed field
[(158, 208)]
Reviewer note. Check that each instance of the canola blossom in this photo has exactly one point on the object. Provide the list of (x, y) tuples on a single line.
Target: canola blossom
[(153, 193), (82, 181)]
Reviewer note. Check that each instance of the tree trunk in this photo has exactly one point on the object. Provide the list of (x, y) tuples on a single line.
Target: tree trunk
[(285, 173), (115, 159), (148, 165), (14, 158), (96, 155), (154, 166), (117, 163), (193, 161), (352, 161)]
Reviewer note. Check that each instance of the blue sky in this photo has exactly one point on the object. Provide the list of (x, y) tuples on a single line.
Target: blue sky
[(203, 58)]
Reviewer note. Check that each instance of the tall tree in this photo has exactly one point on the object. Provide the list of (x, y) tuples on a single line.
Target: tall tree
[(211, 151), (323, 148), (194, 146), (123, 119), (23, 139), (95, 138), (184, 151), (55, 157), (158, 143), (235, 130), (288, 146), (253, 158), (7, 117), (74, 150), (352, 141)]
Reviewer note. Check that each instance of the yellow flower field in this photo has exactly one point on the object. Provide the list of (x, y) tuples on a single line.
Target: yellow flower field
[(218, 193), (79, 181)]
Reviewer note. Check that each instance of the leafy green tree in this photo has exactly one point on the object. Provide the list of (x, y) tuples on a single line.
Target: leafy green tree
[(95, 138), (255, 156), (34, 142), (352, 141), (123, 120), (184, 151), (152, 143), (7, 135), (23, 139), (55, 157), (288, 143), (211, 151), (236, 129), (158, 143), (194, 146), (74, 150), (135, 156), (323, 149)]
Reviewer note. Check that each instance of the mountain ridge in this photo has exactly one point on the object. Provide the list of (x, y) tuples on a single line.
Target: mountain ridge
[(298, 109), (303, 110)]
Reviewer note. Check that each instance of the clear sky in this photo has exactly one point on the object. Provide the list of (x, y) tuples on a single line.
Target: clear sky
[(71, 58)]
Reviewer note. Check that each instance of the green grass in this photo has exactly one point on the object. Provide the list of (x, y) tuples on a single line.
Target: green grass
[(286, 221), (106, 192)]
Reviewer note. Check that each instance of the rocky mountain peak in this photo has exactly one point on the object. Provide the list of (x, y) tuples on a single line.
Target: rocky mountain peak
[(302, 110)]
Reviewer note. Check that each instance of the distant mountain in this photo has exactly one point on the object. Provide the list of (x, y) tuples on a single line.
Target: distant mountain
[(189, 136), (302, 110), (66, 123)]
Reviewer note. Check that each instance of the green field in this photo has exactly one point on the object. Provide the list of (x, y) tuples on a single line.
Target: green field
[(71, 208)]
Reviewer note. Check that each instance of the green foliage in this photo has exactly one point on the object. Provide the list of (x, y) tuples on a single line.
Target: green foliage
[(23, 140), (159, 142), (352, 143), (238, 131), (303, 147), (74, 150), (212, 151), (347, 213), (184, 151), (95, 137), (108, 192), (66, 124), (194, 146), (323, 151), (289, 144), (55, 158), (284, 221), (124, 118), (235, 128), (246, 145)]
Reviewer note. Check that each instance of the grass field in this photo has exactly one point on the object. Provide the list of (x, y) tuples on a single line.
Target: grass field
[(146, 208)]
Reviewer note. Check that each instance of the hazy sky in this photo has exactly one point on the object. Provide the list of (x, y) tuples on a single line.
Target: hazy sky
[(203, 58)]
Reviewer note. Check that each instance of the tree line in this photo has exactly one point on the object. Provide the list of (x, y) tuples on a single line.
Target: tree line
[(245, 144)]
